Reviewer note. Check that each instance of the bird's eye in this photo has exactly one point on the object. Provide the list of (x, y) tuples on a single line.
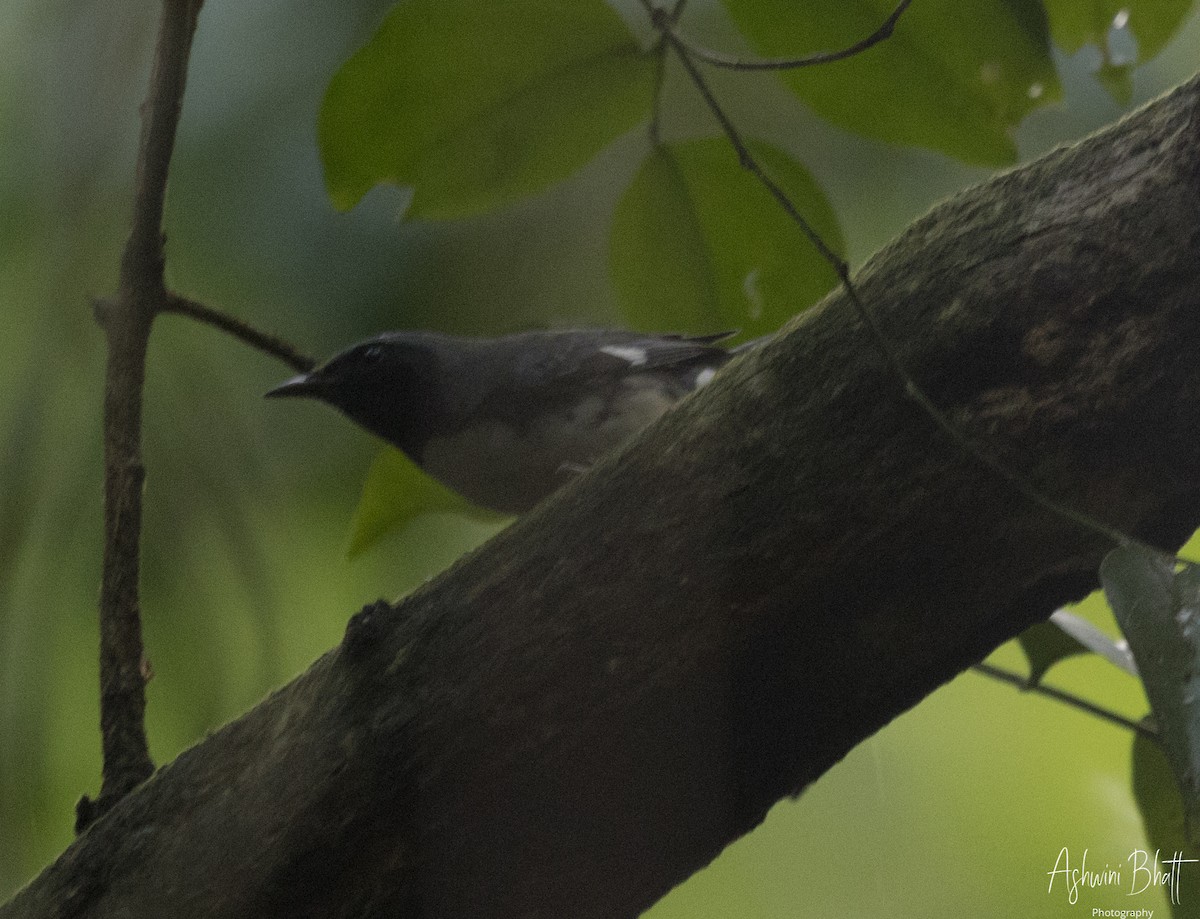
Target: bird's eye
[(372, 354)]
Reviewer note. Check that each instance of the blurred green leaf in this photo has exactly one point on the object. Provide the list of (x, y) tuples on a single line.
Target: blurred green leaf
[(1158, 800), (955, 77), (698, 244), (1075, 23), (477, 104), (1158, 609), (397, 491), (1147, 26)]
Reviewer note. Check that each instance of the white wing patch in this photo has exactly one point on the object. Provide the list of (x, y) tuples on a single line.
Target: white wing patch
[(705, 376), (633, 356)]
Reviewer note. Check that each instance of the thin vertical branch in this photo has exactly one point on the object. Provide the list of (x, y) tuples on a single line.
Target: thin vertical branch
[(140, 296), (660, 68)]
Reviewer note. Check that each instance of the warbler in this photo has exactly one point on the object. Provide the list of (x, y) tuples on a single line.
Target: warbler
[(506, 421)]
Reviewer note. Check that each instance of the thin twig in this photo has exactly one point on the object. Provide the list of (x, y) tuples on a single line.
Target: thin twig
[(268, 344), (1067, 698), (660, 66), (717, 59), (123, 671), (751, 165), (891, 355)]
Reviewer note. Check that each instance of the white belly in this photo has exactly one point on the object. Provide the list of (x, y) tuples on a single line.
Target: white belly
[(496, 466)]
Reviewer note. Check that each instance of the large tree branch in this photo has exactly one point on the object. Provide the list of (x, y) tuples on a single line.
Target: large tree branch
[(582, 713)]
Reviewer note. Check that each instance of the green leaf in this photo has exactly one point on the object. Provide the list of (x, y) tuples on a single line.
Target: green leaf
[(476, 104), (1045, 644), (698, 244), (1145, 25), (956, 77), (397, 491), (1158, 609), (1161, 807)]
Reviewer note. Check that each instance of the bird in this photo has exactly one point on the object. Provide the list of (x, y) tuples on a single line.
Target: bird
[(506, 421)]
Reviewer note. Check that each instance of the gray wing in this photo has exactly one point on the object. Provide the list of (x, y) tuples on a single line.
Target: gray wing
[(543, 371)]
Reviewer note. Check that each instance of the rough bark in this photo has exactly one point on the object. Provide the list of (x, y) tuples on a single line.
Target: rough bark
[(582, 713)]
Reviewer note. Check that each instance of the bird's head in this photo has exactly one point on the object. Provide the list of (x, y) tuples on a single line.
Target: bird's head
[(385, 384)]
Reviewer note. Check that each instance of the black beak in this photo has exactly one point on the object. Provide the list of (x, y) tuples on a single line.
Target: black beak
[(306, 384)]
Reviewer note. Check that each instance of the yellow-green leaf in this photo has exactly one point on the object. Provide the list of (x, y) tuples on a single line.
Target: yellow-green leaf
[(698, 244), (955, 77), (397, 491)]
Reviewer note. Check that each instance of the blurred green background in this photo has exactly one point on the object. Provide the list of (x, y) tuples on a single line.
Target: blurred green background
[(958, 808)]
